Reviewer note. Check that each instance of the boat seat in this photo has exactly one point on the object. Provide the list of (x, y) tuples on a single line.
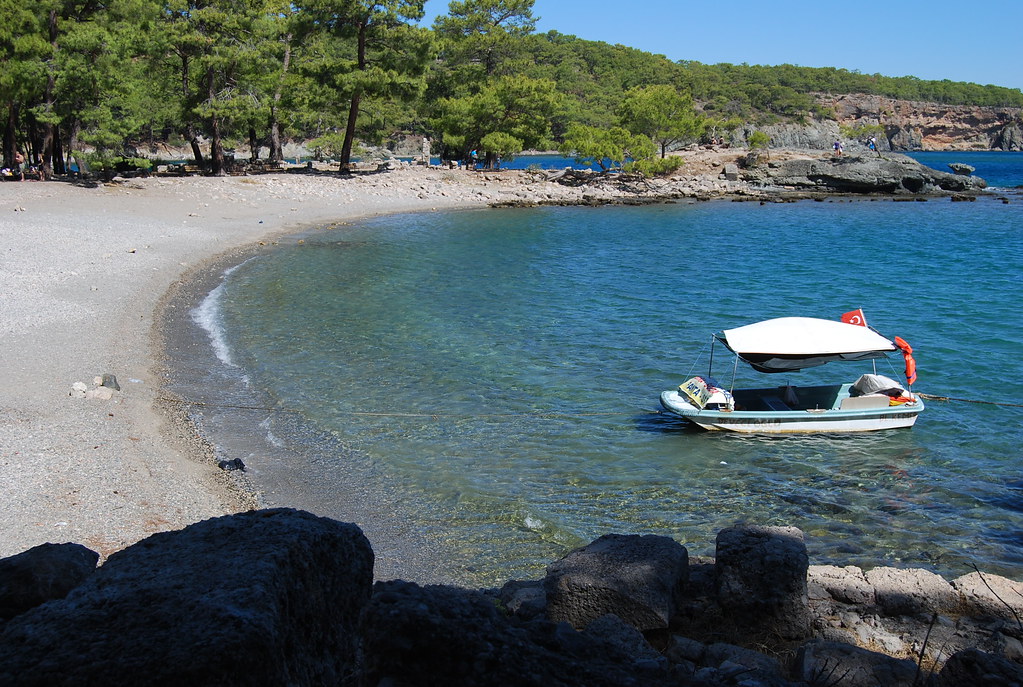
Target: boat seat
[(869, 402), (775, 403)]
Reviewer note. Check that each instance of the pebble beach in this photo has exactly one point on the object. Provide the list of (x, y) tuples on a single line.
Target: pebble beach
[(83, 271)]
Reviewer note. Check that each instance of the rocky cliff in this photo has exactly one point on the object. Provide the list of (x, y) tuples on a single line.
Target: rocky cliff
[(908, 125)]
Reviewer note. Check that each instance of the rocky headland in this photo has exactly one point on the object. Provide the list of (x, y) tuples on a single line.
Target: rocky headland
[(282, 597), (768, 176)]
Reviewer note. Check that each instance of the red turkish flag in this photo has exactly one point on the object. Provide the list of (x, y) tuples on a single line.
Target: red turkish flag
[(855, 317)]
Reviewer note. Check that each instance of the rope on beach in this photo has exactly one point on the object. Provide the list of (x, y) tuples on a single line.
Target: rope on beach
[(354, 413), (931, 397)]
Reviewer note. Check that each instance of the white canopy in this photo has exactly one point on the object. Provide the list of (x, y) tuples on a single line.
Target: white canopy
[(793, 343)]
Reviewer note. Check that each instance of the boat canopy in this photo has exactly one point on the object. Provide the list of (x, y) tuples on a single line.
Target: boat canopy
[(785, 344)]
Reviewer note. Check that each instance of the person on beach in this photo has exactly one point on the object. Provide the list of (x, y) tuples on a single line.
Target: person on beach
[(19, 165)]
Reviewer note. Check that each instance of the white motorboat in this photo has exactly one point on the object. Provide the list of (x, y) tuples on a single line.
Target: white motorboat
[(788, 344)]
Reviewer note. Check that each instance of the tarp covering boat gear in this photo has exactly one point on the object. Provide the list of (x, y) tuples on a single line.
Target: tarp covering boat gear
[(785, 344), (876, 384)]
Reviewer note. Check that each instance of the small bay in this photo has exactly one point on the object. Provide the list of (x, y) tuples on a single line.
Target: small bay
[(492, 376)]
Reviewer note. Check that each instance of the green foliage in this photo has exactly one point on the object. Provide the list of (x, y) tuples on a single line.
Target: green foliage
[(652, 167), (861, 131), (106, 163), (516, 107), (501, 144), (139, 163), (483, 36), (663, 114), (366, 49), (758, 140), (327, 145), (610, 149), (106, 75)]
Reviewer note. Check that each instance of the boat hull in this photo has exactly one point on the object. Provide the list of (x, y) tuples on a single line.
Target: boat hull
[(831, 420)]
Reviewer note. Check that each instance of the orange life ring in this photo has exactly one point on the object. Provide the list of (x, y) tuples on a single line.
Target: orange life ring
[(907, 353)]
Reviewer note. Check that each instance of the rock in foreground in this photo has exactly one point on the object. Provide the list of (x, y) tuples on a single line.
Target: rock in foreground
[(281, 597), (262, 598)]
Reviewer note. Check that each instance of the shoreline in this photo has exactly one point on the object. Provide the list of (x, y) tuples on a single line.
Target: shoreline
[(88, 276), (190, 365), (84, 276)]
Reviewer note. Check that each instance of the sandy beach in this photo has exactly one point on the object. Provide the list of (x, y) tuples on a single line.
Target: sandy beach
[(82, 275)]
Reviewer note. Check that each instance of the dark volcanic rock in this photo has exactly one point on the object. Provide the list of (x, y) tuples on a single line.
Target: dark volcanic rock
[(891, 174), (637, 578), (443, 636), (836, 663), (43, 573), (262, 598), (761, 578), (973, 667)]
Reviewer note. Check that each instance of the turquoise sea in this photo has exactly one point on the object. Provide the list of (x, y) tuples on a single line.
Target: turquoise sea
[(487, 381)]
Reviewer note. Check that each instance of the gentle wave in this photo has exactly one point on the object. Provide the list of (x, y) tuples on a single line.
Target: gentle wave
[(207, 316)]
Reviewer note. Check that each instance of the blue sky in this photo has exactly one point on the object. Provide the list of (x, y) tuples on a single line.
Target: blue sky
[(937, 39)]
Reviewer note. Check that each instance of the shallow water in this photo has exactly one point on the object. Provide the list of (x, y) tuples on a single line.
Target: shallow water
[(494, 375)]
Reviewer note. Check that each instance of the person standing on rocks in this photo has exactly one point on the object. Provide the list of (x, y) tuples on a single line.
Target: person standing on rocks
[(872, 144), (838, 148)]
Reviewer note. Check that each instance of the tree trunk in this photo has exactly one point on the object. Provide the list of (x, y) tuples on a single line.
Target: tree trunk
[(46, 150), (253, 144), (346, 146), (72, 143), (10, 134), (353, 111), (276, 153), (190, 132), (193, 140), (58, 153), (216, 144), (46, 147)]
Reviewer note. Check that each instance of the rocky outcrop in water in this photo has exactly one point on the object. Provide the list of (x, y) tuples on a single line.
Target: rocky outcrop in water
[(888, 174), (281, 597)]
